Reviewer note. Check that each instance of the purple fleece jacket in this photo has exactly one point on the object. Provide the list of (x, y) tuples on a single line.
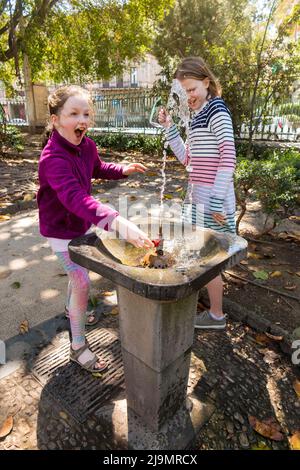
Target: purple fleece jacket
[(66, 209)]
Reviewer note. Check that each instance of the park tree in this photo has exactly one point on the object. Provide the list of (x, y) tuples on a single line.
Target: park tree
[(72, 40), (252, 51)]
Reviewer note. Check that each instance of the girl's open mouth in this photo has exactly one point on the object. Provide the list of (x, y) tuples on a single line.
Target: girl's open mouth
[(79, 132)]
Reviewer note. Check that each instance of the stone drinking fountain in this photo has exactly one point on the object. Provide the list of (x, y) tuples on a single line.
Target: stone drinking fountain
[(157, 295), (156, 319)]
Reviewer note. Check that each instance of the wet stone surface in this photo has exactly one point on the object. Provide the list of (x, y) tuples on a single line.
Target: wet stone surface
[(227, 369)]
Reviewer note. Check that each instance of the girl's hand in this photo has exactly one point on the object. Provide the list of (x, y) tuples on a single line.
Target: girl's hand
[(164, 118), (134, 168), (130, 232), (219, 218)]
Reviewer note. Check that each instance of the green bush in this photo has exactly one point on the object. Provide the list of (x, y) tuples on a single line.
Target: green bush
[(11, 138), (124, 142), (274, 181)]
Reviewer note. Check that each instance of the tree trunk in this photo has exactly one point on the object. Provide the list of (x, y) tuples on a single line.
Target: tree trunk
[(30, 102)]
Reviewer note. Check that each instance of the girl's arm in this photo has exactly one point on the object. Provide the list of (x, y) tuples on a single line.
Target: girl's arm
[(177, 145), (109, 171), (58, 174), (173, 137), (221, 126)]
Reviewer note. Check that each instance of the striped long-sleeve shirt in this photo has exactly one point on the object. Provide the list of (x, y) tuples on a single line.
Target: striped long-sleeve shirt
[(210, 153)]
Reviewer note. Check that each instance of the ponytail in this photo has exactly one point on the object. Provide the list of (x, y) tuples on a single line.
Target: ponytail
[(47, 134)]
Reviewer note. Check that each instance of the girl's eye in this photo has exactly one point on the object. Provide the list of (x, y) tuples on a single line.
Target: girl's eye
[(87, 115), (73, 114)]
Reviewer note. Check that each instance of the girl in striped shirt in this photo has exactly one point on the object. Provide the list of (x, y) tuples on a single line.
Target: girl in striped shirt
[(209, 157)]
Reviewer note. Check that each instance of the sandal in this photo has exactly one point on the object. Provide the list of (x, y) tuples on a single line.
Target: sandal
[(89, 314), (88, 365)]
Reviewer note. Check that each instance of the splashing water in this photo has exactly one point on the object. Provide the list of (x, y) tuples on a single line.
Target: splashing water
[(179, 111), (177, 106)]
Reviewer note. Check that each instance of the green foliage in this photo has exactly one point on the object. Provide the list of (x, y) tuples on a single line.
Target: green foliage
[(256, 68), (274, 181), (80, 40), (10, 137), (125, 142)]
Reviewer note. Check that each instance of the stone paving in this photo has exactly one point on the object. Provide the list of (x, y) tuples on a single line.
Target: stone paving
[(230, 369)]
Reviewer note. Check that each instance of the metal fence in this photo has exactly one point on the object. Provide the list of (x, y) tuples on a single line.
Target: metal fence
[(14, 111), (128, 111), (123, 112), (281, 122)]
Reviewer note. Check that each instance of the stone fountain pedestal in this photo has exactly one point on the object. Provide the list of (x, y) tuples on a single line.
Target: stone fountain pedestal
[(157, 311)]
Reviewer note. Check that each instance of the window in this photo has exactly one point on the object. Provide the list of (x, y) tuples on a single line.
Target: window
[(133, 77), (120, 83)]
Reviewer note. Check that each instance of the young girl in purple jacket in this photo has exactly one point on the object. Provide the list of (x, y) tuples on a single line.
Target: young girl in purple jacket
[(67, 164)]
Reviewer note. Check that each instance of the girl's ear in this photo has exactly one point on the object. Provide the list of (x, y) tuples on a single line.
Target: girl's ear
[(206, 82), (53, 119)]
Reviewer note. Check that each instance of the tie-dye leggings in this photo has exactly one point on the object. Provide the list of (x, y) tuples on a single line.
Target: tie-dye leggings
[(78, 294)]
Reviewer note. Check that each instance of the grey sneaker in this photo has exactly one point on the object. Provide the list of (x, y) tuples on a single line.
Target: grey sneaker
[(205, 321)]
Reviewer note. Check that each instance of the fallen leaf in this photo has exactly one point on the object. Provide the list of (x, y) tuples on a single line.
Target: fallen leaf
[(115, 311), (270, 357), (168, 196), (28, 197), (276, 274), (296, 386), (24, 327), (261, 275), (269, 428), (6, 426), (178, 190), (133, 198), (4, 217), (63, 415), (107, 293), (261, 446), (15, 285), (97, 374), (275, 338), (151, 173), (295, 441), (290, 287), (254, 255), (262, 339)]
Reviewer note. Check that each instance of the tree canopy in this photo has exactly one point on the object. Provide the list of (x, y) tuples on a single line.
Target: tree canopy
[(76, 40), (251, 50)]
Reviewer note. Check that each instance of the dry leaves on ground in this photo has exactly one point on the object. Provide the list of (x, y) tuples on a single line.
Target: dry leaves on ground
[(6, 427), (262, 339), (107, 293), (24, 327), (3, 218), (269, 428), (296, 386), (295, 441)]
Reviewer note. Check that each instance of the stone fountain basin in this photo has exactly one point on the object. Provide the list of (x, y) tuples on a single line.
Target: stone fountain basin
[(206, 254)]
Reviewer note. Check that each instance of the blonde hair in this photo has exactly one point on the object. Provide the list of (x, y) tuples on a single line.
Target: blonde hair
[(195, 67), (56, 101)]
